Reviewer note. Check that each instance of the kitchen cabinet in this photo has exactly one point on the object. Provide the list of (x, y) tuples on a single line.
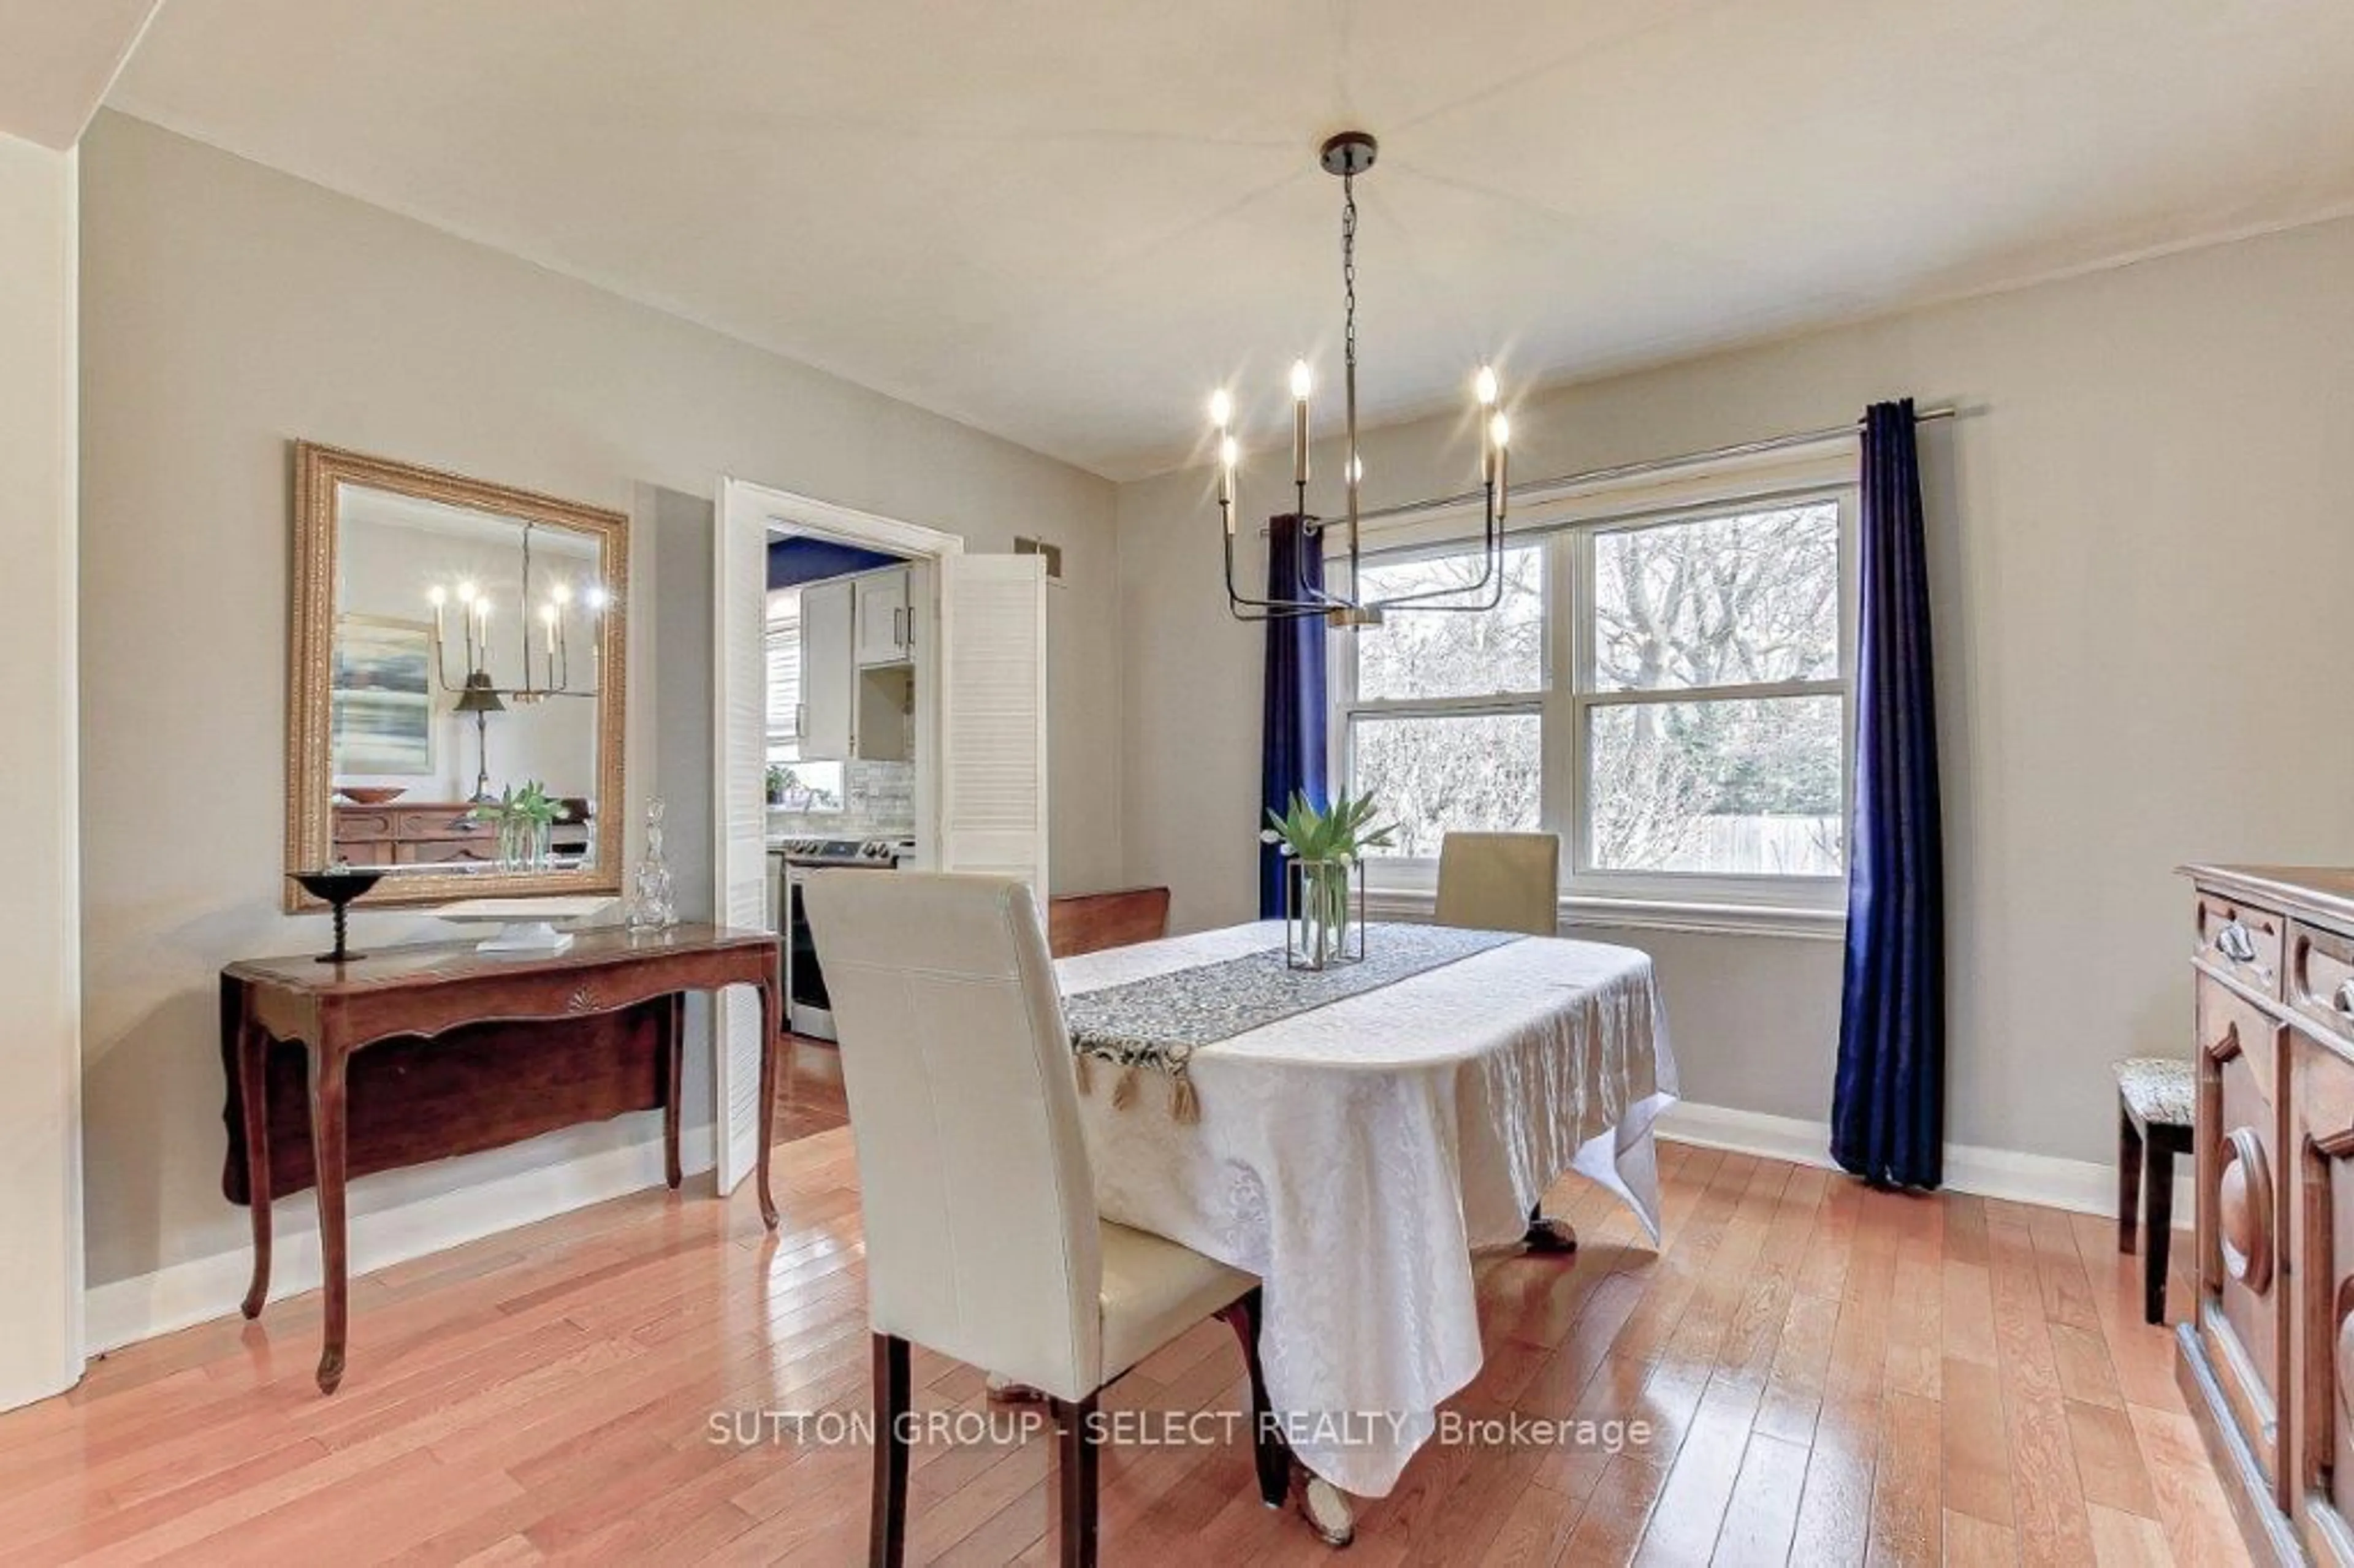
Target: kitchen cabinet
[(829, 677), (853, 708), (886, 631)]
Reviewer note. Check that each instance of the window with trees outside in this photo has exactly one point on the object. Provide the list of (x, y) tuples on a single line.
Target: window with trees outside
[(1670, 694)]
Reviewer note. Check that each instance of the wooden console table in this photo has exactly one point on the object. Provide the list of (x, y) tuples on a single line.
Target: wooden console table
[(421, 1052)]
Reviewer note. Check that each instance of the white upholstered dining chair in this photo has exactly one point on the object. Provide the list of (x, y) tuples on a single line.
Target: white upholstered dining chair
[(1500, 882), (982, 1239)]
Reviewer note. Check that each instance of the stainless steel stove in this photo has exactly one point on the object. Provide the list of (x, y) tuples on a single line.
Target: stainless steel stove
[(884, 852), (808, 1008)]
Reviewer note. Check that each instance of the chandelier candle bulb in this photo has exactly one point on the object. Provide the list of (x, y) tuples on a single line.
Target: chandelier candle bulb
[(1302, 383), (1228, 456), (1500, 435), (1484, 391)]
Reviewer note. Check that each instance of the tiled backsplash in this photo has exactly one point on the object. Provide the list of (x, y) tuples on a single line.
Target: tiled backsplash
[(878, 800)]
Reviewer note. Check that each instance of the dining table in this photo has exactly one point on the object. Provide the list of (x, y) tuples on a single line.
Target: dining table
[(1354, 1142)]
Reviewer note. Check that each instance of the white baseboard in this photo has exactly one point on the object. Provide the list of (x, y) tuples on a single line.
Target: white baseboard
[(2080, 1186), (139, 1308), (127, 1310)]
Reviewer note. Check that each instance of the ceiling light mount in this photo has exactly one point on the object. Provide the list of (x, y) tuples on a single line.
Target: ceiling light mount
[(1349, 154)]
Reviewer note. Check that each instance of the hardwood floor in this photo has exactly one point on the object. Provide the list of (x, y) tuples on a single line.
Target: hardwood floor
[(810, 1101), (1831, 1375)]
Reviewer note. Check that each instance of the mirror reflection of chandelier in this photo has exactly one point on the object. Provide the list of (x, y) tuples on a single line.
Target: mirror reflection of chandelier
[(1349, 154), (549, 643)]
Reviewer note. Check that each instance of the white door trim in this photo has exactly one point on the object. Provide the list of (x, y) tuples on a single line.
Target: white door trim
[(745, 514), (746, 504)]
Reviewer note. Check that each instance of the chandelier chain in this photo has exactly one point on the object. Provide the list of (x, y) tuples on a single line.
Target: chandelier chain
[(1349, 267)]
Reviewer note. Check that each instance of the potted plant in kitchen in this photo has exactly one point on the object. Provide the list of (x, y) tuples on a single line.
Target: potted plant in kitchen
[(1323, 853), (780, 778)]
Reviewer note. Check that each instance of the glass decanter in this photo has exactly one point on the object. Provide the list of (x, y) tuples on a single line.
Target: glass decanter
[(653, 905)]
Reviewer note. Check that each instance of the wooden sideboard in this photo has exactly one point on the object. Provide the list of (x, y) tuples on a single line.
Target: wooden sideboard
[(424, 833), (414, 1053), (2267, 1358), (436, 832)]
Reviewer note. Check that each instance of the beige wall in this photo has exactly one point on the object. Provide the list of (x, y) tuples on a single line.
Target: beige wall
[(231, 309), (41, 1246), (2141, 555)]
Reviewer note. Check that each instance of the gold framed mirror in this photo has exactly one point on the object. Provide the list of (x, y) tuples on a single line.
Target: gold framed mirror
[(455, 684)]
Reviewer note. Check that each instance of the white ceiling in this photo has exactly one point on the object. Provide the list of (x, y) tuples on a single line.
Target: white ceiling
[(1065, 220), (57, 59)]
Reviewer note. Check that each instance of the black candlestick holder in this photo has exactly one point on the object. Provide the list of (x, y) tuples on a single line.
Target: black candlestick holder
[(338, 886)]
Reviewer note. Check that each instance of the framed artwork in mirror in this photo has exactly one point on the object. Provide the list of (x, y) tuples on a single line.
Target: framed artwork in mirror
[(455, 684), (381, 708)]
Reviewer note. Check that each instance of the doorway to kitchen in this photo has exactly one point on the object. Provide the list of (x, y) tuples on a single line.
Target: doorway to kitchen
[(841, 635), (920, 673)]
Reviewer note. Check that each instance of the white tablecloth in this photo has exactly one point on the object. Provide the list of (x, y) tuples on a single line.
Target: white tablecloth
[(1354, 1157)]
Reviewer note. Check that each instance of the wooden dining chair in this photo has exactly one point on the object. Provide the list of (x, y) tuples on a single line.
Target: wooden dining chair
[(982, 1239), (2157, 1101), (1500, 882), (1079, 923)]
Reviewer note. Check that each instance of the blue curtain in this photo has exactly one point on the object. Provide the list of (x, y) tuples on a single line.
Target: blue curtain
[(1292, 751), (1888, 1105)]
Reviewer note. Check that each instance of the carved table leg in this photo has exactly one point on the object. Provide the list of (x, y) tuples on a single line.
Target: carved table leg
[(327, 1113), (674, 1074), (253, 1092), (769, 1024), (1549, 1236)]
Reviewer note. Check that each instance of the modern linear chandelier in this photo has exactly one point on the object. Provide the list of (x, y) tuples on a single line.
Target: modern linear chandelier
[(1349, 154), (480, 695), (555, 614)]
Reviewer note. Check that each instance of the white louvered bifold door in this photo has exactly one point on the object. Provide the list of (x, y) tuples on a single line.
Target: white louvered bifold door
[(992, 716), (739, 816)]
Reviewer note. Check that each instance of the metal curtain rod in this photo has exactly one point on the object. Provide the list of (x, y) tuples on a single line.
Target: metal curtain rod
[(1635, 470)]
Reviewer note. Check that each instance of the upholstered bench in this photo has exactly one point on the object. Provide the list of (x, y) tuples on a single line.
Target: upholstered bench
[(2154, 1116)]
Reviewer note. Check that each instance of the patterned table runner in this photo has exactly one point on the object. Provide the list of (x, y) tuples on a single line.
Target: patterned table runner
[(1160, 1021)]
